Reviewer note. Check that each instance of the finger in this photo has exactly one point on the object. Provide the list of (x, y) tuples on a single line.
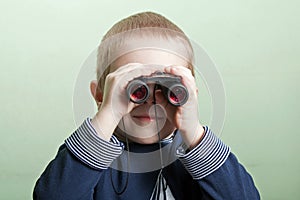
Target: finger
[(179, 71), (126, 75), (186, 75)]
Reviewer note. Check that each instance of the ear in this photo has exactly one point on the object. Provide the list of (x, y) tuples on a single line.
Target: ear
[(96, 92)]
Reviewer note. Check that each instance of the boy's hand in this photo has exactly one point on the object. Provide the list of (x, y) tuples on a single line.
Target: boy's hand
[(185, 117), (115, 103)]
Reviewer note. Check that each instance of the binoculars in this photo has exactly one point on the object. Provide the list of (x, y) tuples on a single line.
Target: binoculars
[(172, 88)]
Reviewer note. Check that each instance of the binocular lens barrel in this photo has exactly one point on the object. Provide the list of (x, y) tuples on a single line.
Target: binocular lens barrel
[(138, 92), (177, 95)]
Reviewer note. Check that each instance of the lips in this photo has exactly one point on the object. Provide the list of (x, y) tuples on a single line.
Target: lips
[(146, 117), (143, 117)]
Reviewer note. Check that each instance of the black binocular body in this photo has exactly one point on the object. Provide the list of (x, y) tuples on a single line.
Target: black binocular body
[(170, 85)]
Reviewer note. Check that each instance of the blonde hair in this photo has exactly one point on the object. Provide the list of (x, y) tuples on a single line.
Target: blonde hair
[(145, 24)]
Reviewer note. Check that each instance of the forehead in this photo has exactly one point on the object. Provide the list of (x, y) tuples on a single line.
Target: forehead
[(149, 56)]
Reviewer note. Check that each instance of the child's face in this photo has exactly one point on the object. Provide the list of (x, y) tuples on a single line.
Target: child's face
[(140, 123)]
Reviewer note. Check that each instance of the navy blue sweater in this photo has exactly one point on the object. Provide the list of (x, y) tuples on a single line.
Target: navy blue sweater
[(87, 167)]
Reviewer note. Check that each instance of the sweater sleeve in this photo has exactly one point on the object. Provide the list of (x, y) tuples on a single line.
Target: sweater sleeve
[(78, 165), (217, 170)]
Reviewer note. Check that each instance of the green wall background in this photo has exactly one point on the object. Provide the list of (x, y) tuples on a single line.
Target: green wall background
[(255, 45)]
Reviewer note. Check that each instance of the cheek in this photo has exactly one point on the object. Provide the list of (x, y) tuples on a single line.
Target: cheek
[(171, 111)]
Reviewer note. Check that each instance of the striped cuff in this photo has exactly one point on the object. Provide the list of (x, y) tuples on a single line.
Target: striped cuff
[(206, 157), (88, 147)]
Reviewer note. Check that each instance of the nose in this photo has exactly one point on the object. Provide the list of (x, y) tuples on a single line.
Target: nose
[(155, 95)]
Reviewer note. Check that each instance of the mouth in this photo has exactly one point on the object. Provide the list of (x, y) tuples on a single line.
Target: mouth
[(143, 118), (146, 118)]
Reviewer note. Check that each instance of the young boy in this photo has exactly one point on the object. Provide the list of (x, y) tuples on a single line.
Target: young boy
[(151, 149)]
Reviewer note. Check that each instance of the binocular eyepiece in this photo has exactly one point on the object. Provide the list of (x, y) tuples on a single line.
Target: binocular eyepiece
[(172, 88)]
